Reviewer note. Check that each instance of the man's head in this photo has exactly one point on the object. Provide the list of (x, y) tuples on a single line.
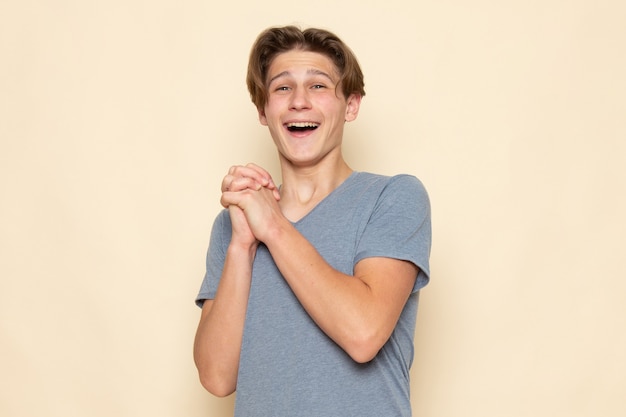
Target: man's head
[(274, 41)]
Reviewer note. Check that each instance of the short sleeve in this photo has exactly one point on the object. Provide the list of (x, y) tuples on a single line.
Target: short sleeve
[(216, 255), (400, 226)]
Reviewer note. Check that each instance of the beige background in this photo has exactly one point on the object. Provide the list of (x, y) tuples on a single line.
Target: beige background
[(119, 118)]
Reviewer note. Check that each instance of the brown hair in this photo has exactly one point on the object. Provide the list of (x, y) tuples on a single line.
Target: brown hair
[(276, 40)]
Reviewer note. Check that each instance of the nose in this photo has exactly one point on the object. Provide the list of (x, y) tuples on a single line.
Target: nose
[(299, 99)]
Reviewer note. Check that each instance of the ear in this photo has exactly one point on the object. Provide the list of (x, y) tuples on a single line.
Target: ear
[(262, 117), (352, 108)]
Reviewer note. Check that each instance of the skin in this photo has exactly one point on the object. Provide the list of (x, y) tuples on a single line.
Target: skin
[(360, 311)]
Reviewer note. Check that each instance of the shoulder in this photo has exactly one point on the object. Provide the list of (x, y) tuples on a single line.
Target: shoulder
[(407, 181), (387, 180), (396, 187), (222, 230), (222, 220)]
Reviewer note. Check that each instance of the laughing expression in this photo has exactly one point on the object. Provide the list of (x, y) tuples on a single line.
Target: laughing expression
[(306, 110)]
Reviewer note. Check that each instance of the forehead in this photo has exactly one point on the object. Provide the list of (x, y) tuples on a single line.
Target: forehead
[(297, 62)]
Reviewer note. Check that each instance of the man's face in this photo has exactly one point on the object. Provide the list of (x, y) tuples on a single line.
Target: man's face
[(305, 110)]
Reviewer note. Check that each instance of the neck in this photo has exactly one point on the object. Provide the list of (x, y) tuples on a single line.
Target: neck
[(304, 187)]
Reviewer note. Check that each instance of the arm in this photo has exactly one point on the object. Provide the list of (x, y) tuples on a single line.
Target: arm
[(217, 344), (218, 338), (360, 311)]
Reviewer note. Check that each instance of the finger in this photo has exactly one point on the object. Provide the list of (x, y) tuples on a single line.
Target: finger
[(228, 199), (238, 171), (270, 181), (251, 177), (226, 182), (244, 183), (272, 185), (264, 177), (224, 201), (233, 169)]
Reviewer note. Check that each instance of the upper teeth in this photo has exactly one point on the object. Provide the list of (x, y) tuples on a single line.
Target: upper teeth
[(302, 124)]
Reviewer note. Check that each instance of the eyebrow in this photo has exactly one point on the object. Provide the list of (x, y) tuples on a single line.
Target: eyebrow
[(311, 71)]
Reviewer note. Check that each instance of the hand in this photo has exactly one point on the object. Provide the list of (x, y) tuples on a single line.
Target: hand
[(260, 210), (239, 179), (251, 177)]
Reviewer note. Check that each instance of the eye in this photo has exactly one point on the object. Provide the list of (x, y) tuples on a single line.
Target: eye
[(282, 88), (318, 86)]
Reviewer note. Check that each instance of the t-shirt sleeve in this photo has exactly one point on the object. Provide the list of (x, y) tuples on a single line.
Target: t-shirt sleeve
[(216, 255), (400, 226)]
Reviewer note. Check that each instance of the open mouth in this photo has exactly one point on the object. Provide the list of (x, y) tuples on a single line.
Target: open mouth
[(301, 126)]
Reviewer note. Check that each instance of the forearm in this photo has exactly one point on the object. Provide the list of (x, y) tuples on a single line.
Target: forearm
[(345, 307), (218, 339), (359, 311)]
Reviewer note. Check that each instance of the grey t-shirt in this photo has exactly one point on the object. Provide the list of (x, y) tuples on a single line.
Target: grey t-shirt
[(288, 366)]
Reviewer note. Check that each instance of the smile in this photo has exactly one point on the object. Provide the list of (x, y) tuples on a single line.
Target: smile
[(301, 126)]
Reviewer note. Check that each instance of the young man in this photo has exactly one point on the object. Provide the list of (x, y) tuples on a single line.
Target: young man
[(310, 295)]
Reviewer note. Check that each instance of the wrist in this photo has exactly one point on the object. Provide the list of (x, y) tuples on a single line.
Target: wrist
[(243, 249), (278, 231)]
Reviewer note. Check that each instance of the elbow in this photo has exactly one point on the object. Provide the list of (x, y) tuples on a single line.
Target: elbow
[(215, 385), (362, 356), (365, 348), (218, 380)]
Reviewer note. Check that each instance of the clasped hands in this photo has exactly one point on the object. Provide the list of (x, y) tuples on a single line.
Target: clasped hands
[(251, 196)]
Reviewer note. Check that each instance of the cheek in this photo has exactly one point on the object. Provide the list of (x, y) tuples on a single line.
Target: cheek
[(331, 103), (272, 108)]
